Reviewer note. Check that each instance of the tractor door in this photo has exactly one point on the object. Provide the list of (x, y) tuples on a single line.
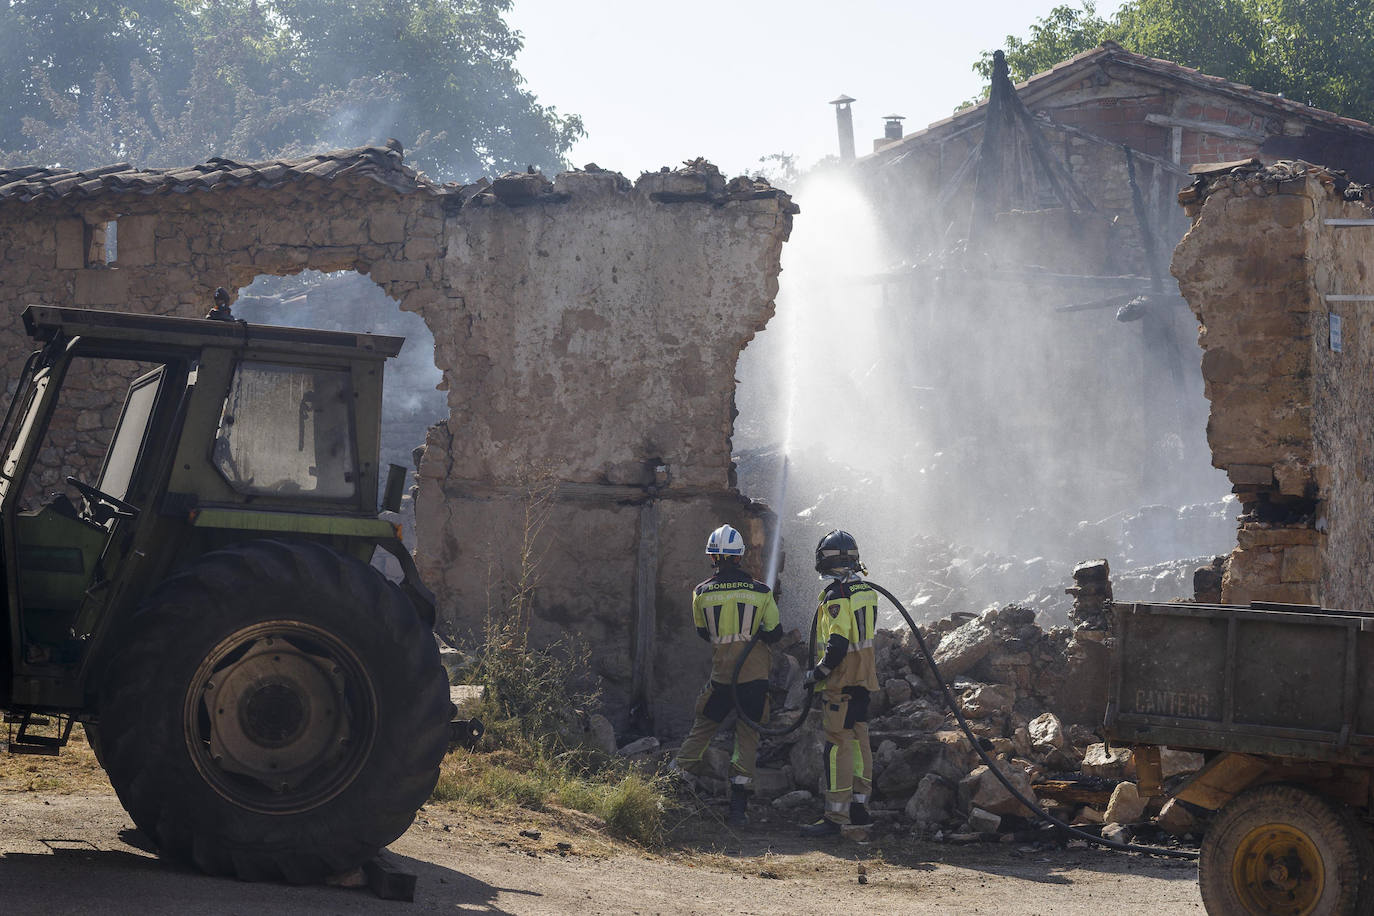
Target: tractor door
[(70, 507)]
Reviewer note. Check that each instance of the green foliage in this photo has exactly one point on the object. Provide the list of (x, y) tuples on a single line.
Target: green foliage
[(163, 82), (633, 806), (1312, 51), (1061, 34)]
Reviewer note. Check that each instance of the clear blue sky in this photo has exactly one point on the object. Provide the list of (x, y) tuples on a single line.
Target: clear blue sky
[(733, 80)]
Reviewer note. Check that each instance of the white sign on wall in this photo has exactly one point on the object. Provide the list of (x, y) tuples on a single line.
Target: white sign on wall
[(1335, 322)]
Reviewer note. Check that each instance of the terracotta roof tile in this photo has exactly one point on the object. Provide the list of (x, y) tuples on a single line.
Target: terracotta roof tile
[(382, 164)]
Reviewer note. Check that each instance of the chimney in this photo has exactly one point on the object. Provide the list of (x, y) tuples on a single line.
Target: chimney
[(844, 120), (892, 131)]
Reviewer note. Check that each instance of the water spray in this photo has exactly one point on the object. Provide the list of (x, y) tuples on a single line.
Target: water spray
[(771, 573)]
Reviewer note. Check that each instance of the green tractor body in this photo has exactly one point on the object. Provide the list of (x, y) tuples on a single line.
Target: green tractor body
[(189, 575)]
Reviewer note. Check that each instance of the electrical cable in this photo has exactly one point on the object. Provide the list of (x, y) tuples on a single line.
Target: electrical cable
[(1030, 805)]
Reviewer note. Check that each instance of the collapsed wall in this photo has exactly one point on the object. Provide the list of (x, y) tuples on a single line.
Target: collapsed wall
[(1275, 268), (587, 331)]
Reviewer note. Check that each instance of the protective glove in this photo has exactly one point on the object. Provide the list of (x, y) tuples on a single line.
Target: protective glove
[(810, 678)]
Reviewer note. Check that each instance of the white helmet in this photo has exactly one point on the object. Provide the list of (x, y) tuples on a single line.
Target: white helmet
[(725, 542)]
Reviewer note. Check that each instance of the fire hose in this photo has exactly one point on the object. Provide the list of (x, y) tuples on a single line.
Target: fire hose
[(1031, 805)]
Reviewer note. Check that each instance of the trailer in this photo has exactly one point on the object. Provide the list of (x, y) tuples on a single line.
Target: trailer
[(1279, 699)]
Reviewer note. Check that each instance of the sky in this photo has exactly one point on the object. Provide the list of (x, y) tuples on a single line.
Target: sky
[(659, 83)]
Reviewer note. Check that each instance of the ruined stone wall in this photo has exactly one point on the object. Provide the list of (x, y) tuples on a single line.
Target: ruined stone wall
[(587, 332), (593, 342), (1265, 273), (174, 250)]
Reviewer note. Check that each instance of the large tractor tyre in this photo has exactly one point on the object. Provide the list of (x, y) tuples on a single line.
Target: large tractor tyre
[(276, 710), (1279, 850)]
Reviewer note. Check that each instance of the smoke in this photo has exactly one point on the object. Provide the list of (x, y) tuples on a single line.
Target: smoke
[(349, 301), (975, 436)]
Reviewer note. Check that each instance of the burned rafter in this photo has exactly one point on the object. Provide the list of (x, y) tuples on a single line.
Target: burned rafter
[(1010, 127)]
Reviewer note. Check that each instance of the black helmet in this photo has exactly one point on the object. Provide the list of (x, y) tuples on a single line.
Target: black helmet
[(837, 550)]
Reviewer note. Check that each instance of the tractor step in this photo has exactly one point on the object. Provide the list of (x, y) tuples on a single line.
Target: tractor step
[(21, 742)]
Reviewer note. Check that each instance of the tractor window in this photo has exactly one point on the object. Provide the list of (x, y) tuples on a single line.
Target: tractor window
[(288, 430), (82, 425), (129, 435), (21, 432)]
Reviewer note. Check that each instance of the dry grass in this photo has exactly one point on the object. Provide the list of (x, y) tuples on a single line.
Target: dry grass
[(618, 801), (72, 772)]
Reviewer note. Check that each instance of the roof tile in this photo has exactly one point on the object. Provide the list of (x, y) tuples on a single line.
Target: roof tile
[(384, 165)]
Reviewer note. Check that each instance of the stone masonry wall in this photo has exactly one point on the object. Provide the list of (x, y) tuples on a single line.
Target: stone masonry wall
[(587, 332), (1259, 267), (594, 342)]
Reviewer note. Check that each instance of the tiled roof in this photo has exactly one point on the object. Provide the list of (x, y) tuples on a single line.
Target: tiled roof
[(1043, 84), (383, 164)]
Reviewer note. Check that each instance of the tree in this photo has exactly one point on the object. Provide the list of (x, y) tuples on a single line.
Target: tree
[(1312, 51), (258, 78), (1064, 32)]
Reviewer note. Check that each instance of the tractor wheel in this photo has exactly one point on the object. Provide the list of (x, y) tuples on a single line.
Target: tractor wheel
[(275, 710), (1280, 850)]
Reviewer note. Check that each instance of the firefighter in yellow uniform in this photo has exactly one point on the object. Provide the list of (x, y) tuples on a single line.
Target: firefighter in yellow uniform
[(728, 609), (845, 676)]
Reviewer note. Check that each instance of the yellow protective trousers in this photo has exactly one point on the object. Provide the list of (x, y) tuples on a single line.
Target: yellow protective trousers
[(848, 756), (714, 704)]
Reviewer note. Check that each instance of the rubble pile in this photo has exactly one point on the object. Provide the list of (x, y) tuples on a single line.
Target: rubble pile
[(1019, 686)]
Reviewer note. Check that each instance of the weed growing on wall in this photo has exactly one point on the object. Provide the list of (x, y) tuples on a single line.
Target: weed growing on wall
[(534, 753)]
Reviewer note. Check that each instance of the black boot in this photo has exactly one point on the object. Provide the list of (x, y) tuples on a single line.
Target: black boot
[(739, 802), (821, 828), (858, 814)]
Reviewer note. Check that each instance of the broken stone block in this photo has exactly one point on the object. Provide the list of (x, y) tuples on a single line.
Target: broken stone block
[(980, 821), (807, 758), (984, 701), (932, 804), (1173, 763), (964, 647), (1021, 740), (772, 782), (898, 691), (794, 799), (1113, 763), (715, 762), (602, 733), (1175, 818), (1046, 733), (900, 776), (1116, 833), (984, 790), (467, 698), (1126, 805), (644, 745), (1089, 815)]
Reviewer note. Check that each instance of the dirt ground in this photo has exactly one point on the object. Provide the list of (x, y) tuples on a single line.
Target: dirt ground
[(76, 852)]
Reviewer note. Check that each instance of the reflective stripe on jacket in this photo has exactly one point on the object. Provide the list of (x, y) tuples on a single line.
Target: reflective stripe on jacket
[(849, 610), (731, 607)]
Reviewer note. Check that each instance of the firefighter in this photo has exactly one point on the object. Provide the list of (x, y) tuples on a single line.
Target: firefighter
[(845, 676), (728, 609)]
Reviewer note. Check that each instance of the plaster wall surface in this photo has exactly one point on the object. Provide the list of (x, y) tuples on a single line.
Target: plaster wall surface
[(587, 331)]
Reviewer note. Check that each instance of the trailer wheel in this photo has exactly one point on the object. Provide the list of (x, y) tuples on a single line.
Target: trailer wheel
[(276, 710), (1280, 850)]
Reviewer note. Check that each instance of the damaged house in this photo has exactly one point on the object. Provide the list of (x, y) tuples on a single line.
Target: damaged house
[(1031, 234)]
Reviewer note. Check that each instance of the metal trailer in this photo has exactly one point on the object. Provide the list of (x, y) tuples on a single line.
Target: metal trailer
[(1280, 700)]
